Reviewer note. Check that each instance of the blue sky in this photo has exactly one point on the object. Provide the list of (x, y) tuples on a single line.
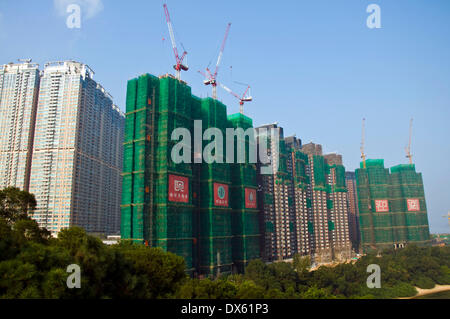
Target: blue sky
[(314, 66)]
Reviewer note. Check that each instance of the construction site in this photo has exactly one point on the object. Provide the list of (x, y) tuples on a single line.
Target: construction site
[(392, 206), (205, 213), (218, 216), (304, 205), (391, 203)]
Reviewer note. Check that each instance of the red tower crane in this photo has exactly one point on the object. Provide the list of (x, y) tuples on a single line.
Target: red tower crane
[(211, 77), (242, 99), (179, 61)]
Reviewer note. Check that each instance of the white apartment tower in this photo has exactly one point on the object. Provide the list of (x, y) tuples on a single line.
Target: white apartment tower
[(19, 87), (76, 164)]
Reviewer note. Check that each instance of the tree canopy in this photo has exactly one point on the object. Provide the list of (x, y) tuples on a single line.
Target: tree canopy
[(34, 265)]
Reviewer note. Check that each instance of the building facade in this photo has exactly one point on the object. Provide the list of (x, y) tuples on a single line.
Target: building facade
[(338, 208), (301, 214), (353, 210), (19, 87), (321, 243), (204, 211), (276, 201), (392, 206), (304, 204), (77, 152)]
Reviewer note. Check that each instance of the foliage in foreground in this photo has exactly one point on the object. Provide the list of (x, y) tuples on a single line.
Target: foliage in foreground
[(33, 265)]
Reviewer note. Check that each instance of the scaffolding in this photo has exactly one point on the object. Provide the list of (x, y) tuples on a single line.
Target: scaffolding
[(391, 205), (199, 211), (150, 214), (245, 213)]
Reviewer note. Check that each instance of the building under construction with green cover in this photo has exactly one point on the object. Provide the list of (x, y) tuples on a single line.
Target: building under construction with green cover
[(392, 206), (204, 212), (304, 204)]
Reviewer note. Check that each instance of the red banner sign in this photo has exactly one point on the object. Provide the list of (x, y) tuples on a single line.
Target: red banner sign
[(381, 205), (220, 194), (413, 204), (250, 198), (178, 189)]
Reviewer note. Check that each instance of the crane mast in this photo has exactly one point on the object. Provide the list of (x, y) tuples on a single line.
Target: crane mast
[(408, 148), (222, 48), (179, 61), (211, 77)]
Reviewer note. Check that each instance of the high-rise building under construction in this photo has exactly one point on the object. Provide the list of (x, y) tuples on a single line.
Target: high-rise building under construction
[(276, 202), (304, 204), (244, 203), (353, 211), (319, 219), (392, 206), (301, 211), (200, 209), (338, 208), (330, 234)]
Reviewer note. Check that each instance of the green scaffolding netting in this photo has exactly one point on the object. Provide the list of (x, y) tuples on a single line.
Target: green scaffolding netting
[(402, 222), (211, 238)]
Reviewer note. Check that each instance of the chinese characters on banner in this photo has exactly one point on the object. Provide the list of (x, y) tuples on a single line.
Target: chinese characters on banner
[(178, 189), (220, 194), (381, 205), (250, 198), (413, 204)]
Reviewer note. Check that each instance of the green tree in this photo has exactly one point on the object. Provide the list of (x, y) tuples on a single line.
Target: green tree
[(301, 264), (156, 274), (16, 204), (249, 290), (258, 272), (284, 275), (317, 293), (29, 230), (207, 289)]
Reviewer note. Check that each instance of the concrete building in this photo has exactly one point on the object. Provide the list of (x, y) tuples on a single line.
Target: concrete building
[(338, 208), (330, 239), (321, 243), (205, 212), (304, 205), (353, 210), (19, 87), (301, 213), (276, 204), (77, 153), (392, 206)]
